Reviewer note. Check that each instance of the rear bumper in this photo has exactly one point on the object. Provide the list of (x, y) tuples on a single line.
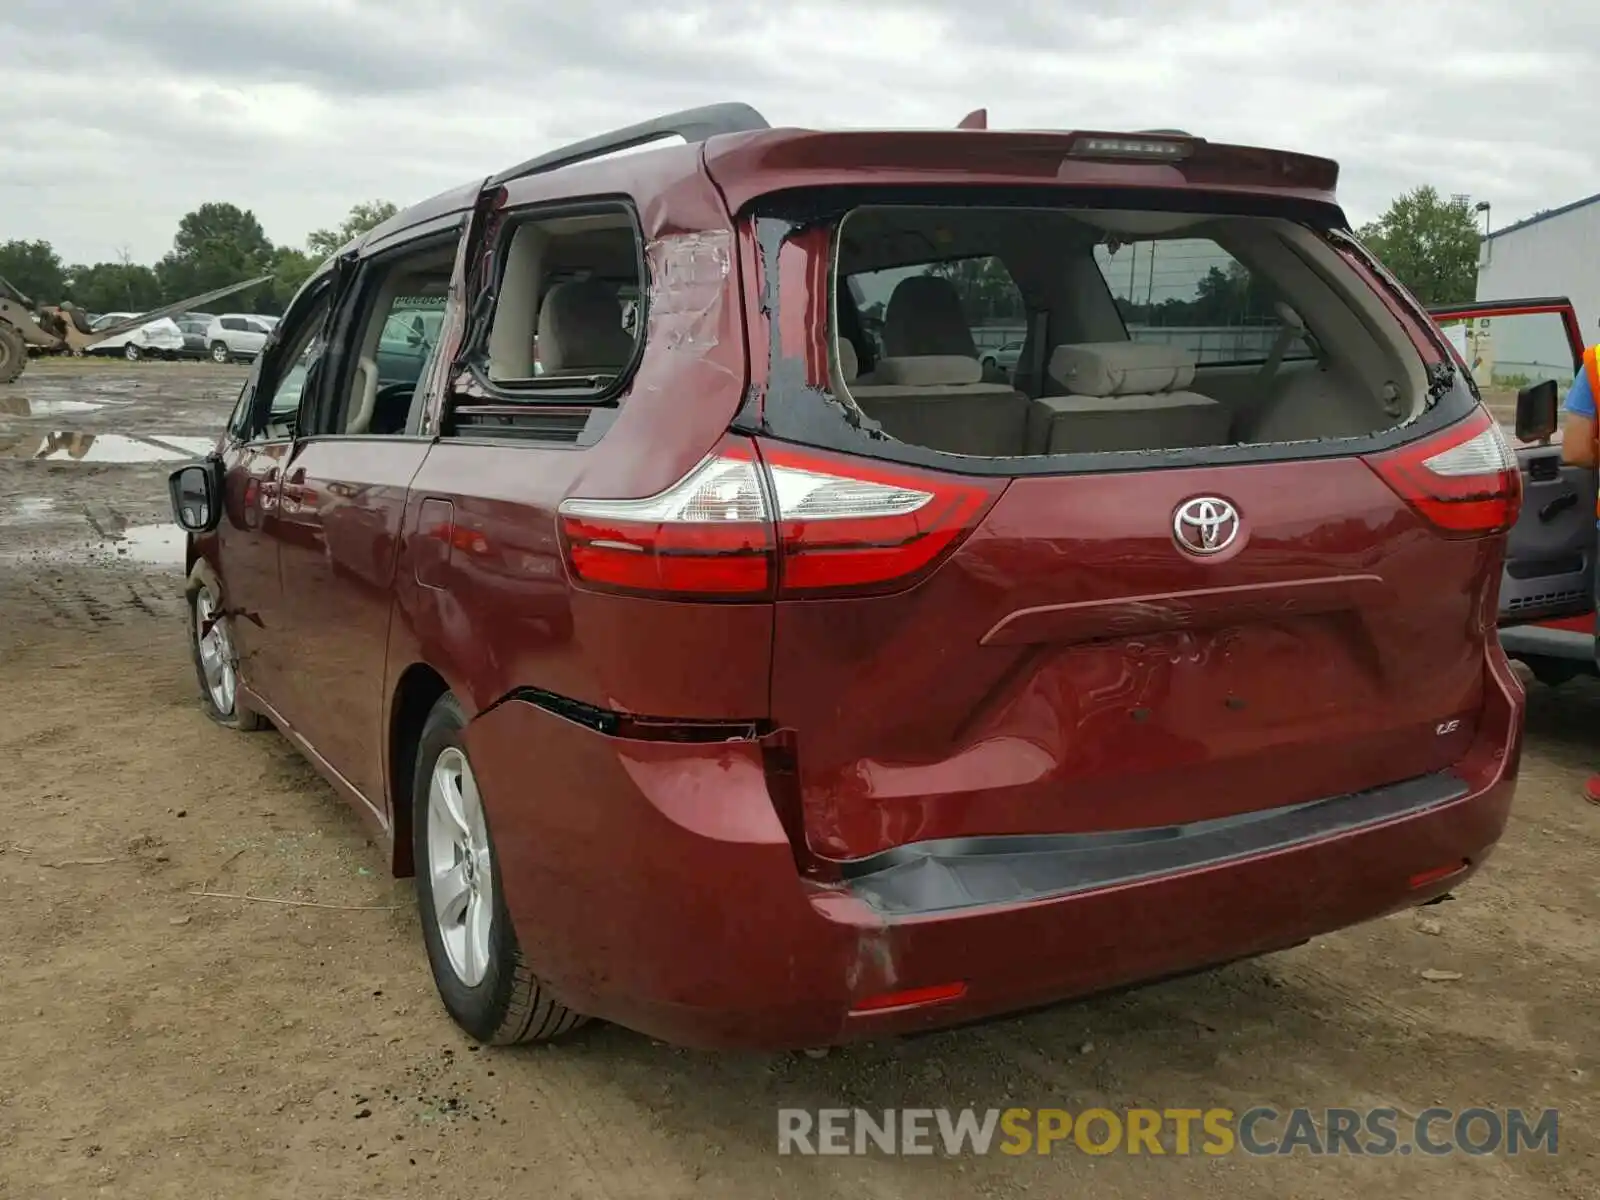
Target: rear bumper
[(652, 885)]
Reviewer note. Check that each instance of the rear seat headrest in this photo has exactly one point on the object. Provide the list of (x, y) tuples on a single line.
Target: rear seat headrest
[(1121, 368), (924, 318), (580, 327), (928, 370)]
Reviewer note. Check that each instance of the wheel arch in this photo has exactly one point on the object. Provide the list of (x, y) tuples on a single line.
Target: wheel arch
[(416, 691)]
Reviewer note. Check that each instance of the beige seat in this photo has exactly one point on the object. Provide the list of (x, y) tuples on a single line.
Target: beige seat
[(1123, 396), (580, 330), (928, 390)]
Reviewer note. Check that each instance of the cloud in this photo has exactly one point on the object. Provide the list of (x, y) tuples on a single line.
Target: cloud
[(123, 116)]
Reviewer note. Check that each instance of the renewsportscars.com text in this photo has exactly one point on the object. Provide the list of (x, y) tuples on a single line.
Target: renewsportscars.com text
[(1171, 1131)]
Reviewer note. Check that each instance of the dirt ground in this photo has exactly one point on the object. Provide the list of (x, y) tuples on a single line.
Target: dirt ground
[(156, 1043)]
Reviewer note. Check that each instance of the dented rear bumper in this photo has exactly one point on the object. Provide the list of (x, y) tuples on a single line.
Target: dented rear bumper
[(652, 884)]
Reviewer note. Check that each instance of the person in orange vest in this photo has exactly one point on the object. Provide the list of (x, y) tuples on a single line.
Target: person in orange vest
[(1579, 449)]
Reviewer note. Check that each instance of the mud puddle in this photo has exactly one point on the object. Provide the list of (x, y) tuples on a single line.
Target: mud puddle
[(71, 446), (151, 545), (31, 406), (28, 510)]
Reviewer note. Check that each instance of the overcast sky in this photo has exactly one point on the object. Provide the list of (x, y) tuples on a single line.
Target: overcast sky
[(118, 116)]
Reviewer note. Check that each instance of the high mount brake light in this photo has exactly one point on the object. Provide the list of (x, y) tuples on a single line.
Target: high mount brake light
[(1465, 479), (1147, 149), (787, 523)]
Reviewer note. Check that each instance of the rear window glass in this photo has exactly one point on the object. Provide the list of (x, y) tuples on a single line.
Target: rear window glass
[(1190, 292), (1005, 332)]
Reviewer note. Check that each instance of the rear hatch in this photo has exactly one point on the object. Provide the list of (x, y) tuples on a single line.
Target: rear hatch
[(1550, 555), (1038, 640)]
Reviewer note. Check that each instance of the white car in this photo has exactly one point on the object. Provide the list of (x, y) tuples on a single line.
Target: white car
[(159, 339), (234, 336)]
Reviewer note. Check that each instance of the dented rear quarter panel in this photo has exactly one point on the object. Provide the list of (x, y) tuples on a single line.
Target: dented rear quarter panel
[(498, 611)]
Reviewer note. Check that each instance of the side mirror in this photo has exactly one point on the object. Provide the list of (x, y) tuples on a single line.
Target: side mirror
[(195, 492), (1536, 412)]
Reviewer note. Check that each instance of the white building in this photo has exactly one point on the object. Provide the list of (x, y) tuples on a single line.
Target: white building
[(1556, 253)]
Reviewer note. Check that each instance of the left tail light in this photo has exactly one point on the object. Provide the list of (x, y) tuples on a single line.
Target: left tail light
[(747, 523)]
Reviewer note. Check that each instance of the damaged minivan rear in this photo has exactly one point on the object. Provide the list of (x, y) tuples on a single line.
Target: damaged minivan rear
[(1172, 644), (837, 584)]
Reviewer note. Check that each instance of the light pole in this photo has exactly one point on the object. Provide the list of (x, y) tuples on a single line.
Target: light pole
[(1488, 246)]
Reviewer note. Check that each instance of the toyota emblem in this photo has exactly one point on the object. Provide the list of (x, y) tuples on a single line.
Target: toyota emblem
[(1205, 525)]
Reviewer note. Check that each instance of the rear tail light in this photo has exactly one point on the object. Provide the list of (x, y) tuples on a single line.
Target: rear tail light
[(1464, 480), (787, 522), (709, 534)]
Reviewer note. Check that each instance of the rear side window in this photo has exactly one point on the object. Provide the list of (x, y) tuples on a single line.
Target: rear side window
[(566, 314), (1192, 293)]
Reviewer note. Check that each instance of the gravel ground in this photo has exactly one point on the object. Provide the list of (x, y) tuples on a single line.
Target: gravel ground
[(158, 1043)]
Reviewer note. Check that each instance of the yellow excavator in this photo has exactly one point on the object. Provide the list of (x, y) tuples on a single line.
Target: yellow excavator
[(64, 328)]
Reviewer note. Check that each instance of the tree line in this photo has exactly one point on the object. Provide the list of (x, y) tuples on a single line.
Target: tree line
[(1428, 241), (216, 245)]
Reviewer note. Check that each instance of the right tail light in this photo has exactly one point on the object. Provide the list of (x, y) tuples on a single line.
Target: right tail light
[(1464, 479)]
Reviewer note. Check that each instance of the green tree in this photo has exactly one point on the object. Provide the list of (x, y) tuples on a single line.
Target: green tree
[(34, 269), (985, 287), (290, 268), (1430, 243), (114, 287), (325, 243), (216, 245)]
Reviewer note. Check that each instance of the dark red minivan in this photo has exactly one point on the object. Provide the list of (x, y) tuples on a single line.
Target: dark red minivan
[(652, 547)]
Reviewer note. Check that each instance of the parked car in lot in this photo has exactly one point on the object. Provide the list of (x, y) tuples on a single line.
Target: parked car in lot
[(1003, 359), (748, 682), (196, 336), (233, 337), (160, 338)]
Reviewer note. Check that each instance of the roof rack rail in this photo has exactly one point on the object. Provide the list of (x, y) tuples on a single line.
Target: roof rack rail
[(692, 125), (1163, 133)]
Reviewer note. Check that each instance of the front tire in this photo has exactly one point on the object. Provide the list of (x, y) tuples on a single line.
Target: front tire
[(13, 355), (132, 353), (477, 964), (216, 663)]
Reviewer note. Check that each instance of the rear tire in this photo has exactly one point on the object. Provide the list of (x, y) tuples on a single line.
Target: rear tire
[(219, 352), (13, 355), (132, 353), (477, 964)]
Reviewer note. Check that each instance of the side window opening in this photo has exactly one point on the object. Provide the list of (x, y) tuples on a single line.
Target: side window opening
[(567, 310), (282, 382), (1164, 331), (399, 310)]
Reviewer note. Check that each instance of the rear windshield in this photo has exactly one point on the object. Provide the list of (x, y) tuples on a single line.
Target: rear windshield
[(1018, 333)]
